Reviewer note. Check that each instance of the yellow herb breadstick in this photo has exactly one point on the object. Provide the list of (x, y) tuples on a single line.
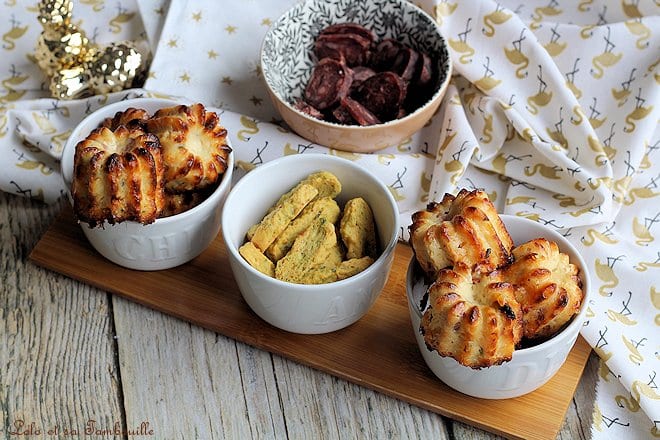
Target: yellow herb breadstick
[(279, 218), (309, 250), (325, 183), (326, 272), (357, 229), (324, 207), (353, 266), (250, 233), (256, 259)]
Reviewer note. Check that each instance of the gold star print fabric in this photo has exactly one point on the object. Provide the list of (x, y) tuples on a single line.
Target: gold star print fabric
[(210, 36)]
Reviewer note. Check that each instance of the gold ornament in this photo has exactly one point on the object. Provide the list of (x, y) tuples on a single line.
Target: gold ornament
[(55, 13), (71, 83), (76, 67), (115, 67), (57, 49)]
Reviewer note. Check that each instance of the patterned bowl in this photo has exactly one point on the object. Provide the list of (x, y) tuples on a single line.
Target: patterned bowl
[(287, 61)]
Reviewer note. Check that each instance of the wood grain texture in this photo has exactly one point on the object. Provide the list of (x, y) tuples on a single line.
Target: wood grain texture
[(317, 405), (379, 351), (162, 360), (577, 425), (580, 413), (57, 355)]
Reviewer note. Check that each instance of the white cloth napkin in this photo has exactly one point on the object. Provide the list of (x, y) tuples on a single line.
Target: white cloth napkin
[(553, 111)]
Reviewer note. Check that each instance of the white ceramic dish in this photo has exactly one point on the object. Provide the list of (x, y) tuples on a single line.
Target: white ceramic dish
[(299, 308), (165, 243), (529, 368), (287, 60)]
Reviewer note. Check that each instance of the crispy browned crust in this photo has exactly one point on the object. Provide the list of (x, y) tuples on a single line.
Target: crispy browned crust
[(180, 202), (194, 146), (129, 117), (547, 286), (478, 322), (463, 228), (117, 176)]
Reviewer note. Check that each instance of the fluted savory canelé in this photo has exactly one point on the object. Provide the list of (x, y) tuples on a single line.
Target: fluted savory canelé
[(194, 144), (547, 286), (465, 228), (131, 117), (117, 176), (180, 202), (478, 322)]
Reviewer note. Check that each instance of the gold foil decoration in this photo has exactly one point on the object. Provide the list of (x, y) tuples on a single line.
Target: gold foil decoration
[(114, 67), (71, 83), (76, 67), (57, 50), (56, 13)]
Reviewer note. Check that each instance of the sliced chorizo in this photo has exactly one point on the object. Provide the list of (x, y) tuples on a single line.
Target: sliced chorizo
[(304, 107), (341, 115), (405, 63), (353, 47), (331, 80), (360, 73), (382, 94), (420, 88), (358, 112), (385, 53), (350, 28), (424, 75), (360, 80)]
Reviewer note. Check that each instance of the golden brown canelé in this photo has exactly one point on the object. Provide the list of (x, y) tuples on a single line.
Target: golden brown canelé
[(194, 144), (118, 176), (477, 321), (465, 228), (129, 117), (122, 172), (180, 202), (547, 286), (488, 296)]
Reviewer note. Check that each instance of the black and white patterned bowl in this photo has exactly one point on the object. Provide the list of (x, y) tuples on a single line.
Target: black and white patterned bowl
[(287, 61)]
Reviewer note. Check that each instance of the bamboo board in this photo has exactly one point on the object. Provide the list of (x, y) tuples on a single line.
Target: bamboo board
[(378, 352)]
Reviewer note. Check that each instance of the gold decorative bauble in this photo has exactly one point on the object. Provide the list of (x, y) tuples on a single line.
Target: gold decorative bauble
[(76, 67), (55, 12), (115, 67), (60, 48), (71, 83)]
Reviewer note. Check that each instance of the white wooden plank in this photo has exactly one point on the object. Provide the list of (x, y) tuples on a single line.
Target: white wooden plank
[(579, 416), (317, 405), (188, 382), (261, 393), (57, 364)]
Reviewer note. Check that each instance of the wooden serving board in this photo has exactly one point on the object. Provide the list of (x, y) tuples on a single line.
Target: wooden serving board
[(378, 352)]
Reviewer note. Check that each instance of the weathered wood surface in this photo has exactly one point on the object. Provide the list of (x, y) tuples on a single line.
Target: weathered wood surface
[(58, 366), (69, 353)]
